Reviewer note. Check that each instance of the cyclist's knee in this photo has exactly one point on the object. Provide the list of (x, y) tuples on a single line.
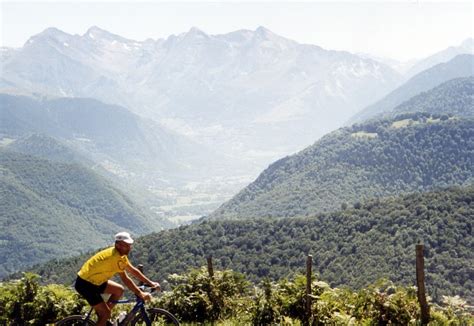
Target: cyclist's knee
[(114, 288), (118, 290)]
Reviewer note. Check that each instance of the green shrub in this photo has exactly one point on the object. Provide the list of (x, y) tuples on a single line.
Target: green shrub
[(197, 297), (334, 306), (266, 308), (26, 302), (453, 312), (385, 303)]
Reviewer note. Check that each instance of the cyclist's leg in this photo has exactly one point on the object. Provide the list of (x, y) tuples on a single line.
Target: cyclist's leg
[(92, 293), (103, 313), (115, 290)]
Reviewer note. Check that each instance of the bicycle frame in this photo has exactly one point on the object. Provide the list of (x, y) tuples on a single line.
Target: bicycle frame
[(138, 307)]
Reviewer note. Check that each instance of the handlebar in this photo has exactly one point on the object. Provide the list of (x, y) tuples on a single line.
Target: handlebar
[(146, 287), (138, 299)]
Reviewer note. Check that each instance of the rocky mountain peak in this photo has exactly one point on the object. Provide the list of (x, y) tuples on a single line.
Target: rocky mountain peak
[(98, 34), (267, 38), (194, 31), (264, 32), (49, 34)]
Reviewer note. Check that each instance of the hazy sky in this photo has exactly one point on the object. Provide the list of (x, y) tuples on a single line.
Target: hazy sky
[(398, 29)]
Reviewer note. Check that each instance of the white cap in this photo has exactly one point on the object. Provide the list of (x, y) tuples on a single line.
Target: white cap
[(124, 236)]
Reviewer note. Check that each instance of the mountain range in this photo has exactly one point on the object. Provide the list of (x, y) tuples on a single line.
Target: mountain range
[(243, 92), (251, 96), (191, 118), (239, 100)]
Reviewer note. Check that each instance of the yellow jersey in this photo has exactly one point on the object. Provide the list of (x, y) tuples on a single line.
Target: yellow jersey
[(103, 266)]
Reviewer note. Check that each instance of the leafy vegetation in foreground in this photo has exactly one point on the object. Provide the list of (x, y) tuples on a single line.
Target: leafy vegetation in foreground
[(27, 302), (229, 299), (353, 247), (414, 152)]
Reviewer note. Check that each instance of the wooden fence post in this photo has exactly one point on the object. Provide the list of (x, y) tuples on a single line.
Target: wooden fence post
[(420, 283), (309, 265), (210, 269)]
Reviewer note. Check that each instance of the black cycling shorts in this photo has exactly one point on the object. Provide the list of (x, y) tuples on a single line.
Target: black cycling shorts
[(90, 292)]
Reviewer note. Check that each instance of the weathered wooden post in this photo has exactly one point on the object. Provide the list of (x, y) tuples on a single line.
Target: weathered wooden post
[(420, 283), (210, 269), (309, 265)]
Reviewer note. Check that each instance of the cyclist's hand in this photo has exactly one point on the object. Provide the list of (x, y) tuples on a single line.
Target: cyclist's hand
[(156, 286), (145, 296)]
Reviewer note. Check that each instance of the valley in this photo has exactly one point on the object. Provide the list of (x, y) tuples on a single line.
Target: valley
[(246, 146)]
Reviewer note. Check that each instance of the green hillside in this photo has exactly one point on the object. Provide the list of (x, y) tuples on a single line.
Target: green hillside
[(102, 131), (49, 148), (414, 152), (127, 145), (353, 247), (455, 97), (458, 67), (53, 209)]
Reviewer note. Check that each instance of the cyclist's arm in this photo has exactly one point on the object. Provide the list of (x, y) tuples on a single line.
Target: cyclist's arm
[(132, 286), (139, 275)]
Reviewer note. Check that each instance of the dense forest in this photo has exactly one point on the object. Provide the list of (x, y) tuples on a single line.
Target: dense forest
[(49, 148), (454, 97), (412, 152), (52, 209), (352, 247)]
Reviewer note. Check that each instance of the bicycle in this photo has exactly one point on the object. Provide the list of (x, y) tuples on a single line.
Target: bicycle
[(139, 315)]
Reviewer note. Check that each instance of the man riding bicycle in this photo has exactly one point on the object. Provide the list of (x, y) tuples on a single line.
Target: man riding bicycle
[(94, 277)]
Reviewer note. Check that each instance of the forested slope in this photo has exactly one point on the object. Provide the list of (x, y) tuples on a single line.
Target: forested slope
[(353, 247), (52, 209), (49, 148), (413, 152), (454, 97), (458, 67)]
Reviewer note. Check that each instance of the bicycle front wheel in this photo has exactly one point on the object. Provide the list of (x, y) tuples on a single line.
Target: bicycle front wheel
[(157, 316), (75, 320)]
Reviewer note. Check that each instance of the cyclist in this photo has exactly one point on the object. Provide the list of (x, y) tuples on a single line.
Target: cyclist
[(94, 277)]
